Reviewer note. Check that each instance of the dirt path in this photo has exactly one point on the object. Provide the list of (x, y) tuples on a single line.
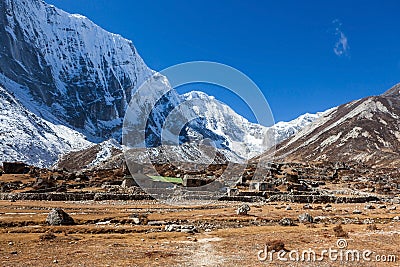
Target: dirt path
[(205, 254)]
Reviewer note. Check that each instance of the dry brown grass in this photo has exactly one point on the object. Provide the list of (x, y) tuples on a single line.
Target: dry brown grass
[(234, 241)]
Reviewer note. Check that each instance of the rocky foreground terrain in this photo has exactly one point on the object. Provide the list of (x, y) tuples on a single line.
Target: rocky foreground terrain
[(99, 217), (146, 233)]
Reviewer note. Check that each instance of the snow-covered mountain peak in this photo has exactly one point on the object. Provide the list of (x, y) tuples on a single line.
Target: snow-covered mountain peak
[(72, 67), (300, 121), (62, 71), (284, 130), (197, 95), (247, 139)]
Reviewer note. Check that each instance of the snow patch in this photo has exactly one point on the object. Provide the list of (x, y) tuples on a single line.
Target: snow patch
[(31, 139), (330, 140), (105, 152)]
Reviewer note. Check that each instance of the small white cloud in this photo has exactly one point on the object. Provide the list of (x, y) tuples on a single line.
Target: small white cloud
[(342, 47)]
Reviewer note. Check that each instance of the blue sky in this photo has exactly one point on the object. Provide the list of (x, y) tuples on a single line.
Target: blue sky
[(305, 56)]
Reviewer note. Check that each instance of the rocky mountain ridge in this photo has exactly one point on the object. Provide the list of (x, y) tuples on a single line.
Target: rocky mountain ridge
[(365, 130)]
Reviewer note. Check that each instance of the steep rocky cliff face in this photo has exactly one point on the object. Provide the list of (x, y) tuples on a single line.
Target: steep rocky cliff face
[(81, 74), (26, 137), (63, 71)]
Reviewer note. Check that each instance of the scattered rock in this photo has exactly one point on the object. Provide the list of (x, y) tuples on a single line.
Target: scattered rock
[(286, 222), (233, 192), (339, 232), (59, 217), (172, 227), (13, 252), (128, 182), (372, 227), (396, 200), (368, 221), (357, 212), (156, 223), (306, 218), (288, 208), (328, 206), (369, 207), (382, 206), (243, 210), (320, 219), (103, 223), (180, 228), (139, 218), (396, 219), (329, 209), (136, 220), (307, 207), (392, 208), (276, 245)]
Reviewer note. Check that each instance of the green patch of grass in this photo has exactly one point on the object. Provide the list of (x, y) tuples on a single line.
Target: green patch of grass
[(167, 179)]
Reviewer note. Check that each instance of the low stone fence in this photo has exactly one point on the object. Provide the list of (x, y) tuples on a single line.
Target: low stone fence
[(322, 199), (72, 196), (78, 196)]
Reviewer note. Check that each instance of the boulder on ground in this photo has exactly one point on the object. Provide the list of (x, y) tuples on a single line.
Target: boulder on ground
[(128, 182), (286, 222), (139, 218), (306, 218), (181, 228), (242, 210), (340, 232), (276, 245), (357, 212), (59, 217)]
